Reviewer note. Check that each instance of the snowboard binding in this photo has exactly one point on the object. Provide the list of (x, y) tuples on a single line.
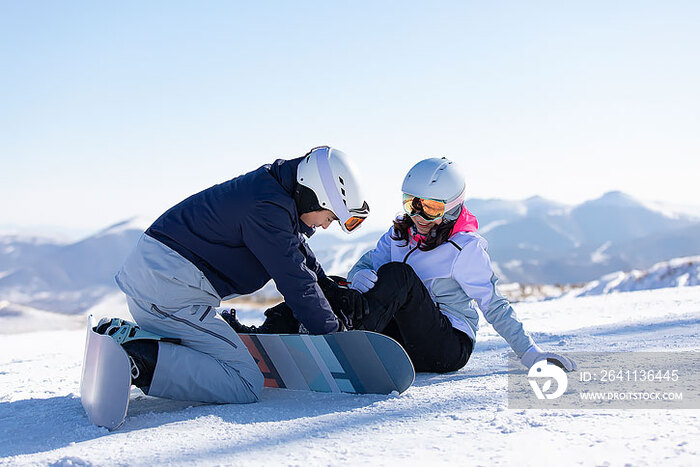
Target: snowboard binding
[(124, 331), (141, 347)]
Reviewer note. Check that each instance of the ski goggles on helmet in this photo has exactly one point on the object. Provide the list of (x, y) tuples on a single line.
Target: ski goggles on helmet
[(428, 209), (353, 223), (357, 217)]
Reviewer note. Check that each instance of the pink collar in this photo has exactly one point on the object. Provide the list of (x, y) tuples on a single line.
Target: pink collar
[(466, 222)]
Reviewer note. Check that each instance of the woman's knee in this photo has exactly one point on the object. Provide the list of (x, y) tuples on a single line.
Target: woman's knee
[(396, 272), (454, 364)]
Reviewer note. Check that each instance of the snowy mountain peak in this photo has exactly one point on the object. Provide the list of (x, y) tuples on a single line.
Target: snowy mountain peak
[(133, 223), (537, 199), (617, 199), (540, 205)]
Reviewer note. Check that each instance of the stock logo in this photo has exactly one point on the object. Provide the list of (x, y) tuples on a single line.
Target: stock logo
[(547, 372)]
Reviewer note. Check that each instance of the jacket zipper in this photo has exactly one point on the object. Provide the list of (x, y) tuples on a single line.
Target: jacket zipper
[(204, 315), (409, 253)]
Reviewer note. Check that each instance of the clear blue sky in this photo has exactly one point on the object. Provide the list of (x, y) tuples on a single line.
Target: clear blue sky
[(111, 109)]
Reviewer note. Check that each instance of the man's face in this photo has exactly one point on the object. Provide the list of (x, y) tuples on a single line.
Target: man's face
[(322, 218)]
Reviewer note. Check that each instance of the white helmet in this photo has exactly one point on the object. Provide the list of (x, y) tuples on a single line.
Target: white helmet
[(437, 178), (332, 177)]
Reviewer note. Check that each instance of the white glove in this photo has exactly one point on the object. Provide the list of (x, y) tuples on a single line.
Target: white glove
[(534, 354), (364, 280)]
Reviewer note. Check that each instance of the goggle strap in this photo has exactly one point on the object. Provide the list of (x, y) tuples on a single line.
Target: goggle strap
[(455, 202), (363, 211)]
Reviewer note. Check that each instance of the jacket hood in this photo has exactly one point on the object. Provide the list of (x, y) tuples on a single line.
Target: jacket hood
[(285, 172)]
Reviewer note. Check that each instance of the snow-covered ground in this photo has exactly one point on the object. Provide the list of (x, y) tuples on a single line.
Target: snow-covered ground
[(457, 419)]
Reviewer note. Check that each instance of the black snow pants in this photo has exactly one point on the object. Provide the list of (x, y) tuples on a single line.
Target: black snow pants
[(401, 308)]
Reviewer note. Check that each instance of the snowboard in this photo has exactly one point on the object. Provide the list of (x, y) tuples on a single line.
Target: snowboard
[(105, 383), (358, 362)]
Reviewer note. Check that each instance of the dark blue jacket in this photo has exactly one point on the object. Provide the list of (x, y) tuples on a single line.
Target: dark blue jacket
[(246, 231)]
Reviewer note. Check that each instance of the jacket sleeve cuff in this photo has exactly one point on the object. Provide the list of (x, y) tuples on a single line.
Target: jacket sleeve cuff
[(528, 357)]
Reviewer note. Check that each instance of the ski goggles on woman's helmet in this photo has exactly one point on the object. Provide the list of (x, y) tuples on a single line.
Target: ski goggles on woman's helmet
[(429, 209)]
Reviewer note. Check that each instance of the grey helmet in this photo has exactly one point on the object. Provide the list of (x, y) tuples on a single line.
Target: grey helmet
[(440, 179)]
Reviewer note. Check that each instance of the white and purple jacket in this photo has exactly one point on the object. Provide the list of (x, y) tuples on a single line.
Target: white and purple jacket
[(459, 276)]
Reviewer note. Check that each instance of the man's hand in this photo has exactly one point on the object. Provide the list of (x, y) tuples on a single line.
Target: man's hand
[(344, 323), (348, 305)]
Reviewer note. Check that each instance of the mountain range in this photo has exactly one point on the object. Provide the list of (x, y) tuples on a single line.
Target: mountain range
[(540, 241), (533, 241)]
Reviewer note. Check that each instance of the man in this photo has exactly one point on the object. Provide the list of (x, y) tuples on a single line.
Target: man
[(225, 241)]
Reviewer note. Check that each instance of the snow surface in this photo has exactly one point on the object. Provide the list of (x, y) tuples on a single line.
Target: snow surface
[(457, 419)]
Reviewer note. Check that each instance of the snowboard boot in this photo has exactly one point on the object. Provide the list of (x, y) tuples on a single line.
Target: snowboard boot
[(141, 347), (278, 320), (143, 356)]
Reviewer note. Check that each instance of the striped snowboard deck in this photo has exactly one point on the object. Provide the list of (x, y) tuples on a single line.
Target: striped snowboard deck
[(359, 362)]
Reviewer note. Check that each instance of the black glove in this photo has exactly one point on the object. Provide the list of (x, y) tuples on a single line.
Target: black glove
[(349, 305), (344, 323)]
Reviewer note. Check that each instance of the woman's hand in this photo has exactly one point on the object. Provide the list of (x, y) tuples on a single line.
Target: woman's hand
[(364, 280), (534, 354)]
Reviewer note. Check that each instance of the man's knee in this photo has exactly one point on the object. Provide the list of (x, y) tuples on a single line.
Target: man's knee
[(255, 392), (250, 387), (257, 382)]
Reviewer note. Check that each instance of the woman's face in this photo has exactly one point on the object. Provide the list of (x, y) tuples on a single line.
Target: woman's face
[(322, 218), (424, 226)]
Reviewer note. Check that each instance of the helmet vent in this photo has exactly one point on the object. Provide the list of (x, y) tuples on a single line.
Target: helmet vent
[(341, 180)]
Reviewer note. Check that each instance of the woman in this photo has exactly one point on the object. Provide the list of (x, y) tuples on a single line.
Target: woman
[(427, 274), (230, 240)]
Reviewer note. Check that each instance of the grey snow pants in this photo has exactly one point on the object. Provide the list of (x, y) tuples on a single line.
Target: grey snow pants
[(167, 295)]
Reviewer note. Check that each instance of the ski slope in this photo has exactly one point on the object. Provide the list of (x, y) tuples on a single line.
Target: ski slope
[(454, 419)]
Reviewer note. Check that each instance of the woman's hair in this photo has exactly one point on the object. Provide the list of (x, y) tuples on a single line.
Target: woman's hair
[(437, 236)]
